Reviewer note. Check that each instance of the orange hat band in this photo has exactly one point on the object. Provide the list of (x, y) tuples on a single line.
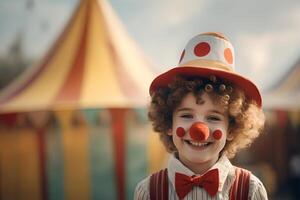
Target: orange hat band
[(207, 64)]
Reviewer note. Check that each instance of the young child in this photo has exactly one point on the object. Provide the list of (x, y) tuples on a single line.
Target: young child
[(204, 112)]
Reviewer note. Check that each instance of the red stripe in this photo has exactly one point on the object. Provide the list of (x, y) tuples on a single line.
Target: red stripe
[(233, 189), (162, 194), (70, 91), (166, 185), (240, 184), (246, 185), (9, 119), (152, 186), (42, 162), (159, 187), (48, 57), (243, 186), (128, 87), (240, 187), (118, 133), (159, 184)]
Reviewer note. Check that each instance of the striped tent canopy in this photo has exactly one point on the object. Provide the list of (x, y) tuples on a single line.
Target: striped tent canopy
[(93, 63), (285, 95)]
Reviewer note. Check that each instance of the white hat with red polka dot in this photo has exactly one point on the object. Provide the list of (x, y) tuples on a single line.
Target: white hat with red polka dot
[(205, 55)]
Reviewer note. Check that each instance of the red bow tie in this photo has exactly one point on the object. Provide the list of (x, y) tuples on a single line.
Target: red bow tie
[(209, 181)]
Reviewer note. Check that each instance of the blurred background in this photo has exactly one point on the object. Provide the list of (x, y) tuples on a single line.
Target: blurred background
[(74, 78)]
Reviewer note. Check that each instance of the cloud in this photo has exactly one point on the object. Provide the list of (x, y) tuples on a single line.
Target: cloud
[(41, 26), (177, 12), (265, 33), (46, 23), (268, 54), (11, 20)]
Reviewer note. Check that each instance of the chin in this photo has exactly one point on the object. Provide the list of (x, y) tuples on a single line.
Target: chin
[(199, 160)]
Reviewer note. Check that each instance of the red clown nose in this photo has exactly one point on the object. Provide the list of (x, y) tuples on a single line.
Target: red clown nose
[(217, 134), (199, 131)]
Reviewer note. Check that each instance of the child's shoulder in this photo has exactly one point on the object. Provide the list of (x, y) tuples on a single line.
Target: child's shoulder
[(256, 187), (142, 189)]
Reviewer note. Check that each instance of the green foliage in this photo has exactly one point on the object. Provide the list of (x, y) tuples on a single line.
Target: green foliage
[(13, 63)]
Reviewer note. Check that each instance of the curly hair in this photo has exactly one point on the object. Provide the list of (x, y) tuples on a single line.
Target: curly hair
[(246, 119)]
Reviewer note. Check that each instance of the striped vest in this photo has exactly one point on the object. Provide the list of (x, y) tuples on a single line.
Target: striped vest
[(159, 185)]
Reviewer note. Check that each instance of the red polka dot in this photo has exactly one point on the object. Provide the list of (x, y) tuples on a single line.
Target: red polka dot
[(202, 49), (228, 55), (182, 55)]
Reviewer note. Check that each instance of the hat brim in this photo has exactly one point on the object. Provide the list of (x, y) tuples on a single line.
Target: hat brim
[(243, 83)]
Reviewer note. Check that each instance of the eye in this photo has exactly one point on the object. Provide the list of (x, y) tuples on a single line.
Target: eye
[(187, 116), (214, 118)]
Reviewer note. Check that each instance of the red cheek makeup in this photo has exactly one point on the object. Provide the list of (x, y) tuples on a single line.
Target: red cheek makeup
[(180, 132), (217, 134)]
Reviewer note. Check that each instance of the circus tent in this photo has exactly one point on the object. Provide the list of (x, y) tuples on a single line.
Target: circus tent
[(51, 116), (285, 94), (279, 145), (92, 58)]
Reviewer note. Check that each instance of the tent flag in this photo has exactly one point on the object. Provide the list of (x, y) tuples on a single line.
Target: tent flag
[(92, 116)]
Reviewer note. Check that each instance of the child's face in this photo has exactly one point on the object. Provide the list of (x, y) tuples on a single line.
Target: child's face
[(213, 115)]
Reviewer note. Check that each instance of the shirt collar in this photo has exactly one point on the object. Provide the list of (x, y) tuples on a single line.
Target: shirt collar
[(175, 165)]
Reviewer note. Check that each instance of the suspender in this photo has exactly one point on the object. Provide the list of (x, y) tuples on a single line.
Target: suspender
[(240, 187), (159, 186)]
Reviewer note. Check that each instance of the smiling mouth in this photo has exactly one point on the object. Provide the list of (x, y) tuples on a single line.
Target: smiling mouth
[(197, 144)]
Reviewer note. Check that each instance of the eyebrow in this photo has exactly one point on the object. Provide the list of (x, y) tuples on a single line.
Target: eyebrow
[(216, 111), (183, 109), (190, 109)]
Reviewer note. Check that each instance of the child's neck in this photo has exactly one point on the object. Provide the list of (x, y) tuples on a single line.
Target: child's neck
[(198, 168)]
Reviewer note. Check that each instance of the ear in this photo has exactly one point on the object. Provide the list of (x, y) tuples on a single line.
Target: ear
[(229, 137), (169, 132)]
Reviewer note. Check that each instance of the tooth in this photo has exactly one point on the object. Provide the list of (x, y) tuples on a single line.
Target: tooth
[(199, 144)]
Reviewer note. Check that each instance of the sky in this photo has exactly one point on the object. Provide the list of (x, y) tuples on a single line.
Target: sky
[(265, 33)]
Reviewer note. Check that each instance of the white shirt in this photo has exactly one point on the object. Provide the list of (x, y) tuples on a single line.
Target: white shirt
[(226, 179)]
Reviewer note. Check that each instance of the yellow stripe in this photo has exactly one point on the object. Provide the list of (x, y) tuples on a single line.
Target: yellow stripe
[(76, 158), (20, 169), (9, 175), (133, 61), (42, 91), (29, 177), (100, 85)]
